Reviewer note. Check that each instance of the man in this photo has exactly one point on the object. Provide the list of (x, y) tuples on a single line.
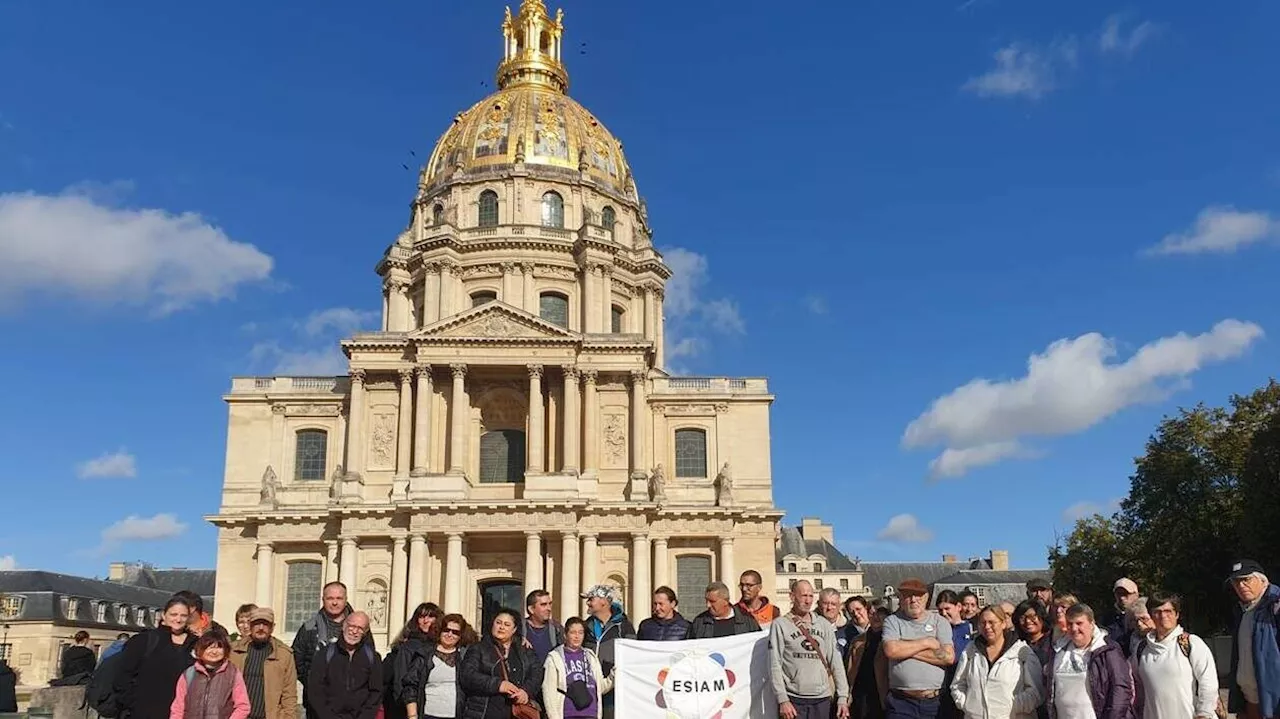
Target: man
[(829, 608), (1089, 677), (345, 679), (200, 621), (969, 605), (1255, 644), (606, 624), (753, 602), (917, 643), (242, 621), (666, 624), (1126, 592), (267, 666), (1040, 590), (721, 619), (539, 631), (859, 621), (121, 639), (808, 677), (318, 632)]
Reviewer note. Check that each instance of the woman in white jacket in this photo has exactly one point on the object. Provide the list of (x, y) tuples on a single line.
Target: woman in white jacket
[(1178, 674), (573, 684), (998, 676)]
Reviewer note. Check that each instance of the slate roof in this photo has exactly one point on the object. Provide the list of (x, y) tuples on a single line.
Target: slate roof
[(794, 543), (200, 581), (991, 576), (44, 591), (877, 575)]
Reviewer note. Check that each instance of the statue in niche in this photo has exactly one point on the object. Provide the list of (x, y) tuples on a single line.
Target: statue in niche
[(724, 487), (376, 604), (520, 149), (657, 485), (270, 484), (335, 482)]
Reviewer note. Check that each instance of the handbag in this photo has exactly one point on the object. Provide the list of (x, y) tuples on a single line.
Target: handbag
[(519, 711)]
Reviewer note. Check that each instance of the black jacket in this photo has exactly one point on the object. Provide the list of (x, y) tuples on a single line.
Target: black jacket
[(313, 635), (344, 685), (654, 629), (147, 681), (8, 688), (704, 625), (415, 658), (618, 627), (479, 676), (78, 660)]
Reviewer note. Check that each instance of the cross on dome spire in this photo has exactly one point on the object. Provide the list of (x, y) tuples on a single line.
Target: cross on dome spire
[(531, 48)]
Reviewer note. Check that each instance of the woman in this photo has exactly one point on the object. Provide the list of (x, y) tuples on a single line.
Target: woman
[(998, 676), (867, 669), (426, 671), (1176, 669), (78, 661), (499, 674), (1031, 620), (415, 632), (573, 680), (152, 661), (1137, 624), (1061, 603), (213, 688)]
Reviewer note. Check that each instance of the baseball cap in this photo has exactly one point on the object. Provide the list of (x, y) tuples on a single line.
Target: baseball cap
[(1127, 584), (1243, 568), (911, 586), (598, 591), (1039, 583), (262, 614)]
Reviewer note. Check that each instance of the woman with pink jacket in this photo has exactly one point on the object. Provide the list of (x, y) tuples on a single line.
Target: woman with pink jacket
[(212, 688)]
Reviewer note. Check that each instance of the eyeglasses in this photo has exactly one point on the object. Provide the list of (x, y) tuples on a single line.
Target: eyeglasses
[(746, 585), (1162, 611), (356, 629), (451, 630)]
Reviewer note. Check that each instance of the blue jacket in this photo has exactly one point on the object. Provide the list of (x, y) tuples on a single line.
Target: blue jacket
[(1266, 655), (654, 629)]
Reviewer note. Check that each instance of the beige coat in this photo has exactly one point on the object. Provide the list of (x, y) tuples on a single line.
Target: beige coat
[(554, 681), (279, 677)]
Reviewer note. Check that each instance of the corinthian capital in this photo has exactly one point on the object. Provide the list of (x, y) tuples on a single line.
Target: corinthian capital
[(459, 370), (570, 372), (406, 375), (357, 375), (535, 370), (590, 376), (637, 376)]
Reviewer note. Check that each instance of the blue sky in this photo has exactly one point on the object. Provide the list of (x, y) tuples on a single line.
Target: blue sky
[(874, 204)]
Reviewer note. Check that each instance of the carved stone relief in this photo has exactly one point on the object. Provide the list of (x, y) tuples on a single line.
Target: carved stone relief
[(615, 439), (375, 593), (382, 438)]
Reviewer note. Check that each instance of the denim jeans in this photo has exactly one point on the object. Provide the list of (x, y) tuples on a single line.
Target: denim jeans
[(898, 707)]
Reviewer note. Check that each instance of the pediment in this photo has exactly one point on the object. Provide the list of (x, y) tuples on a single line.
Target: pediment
[(495, 320)]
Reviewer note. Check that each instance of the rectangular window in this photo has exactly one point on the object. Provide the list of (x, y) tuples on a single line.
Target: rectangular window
[(310, 454), (817, 584), (693, 574), (980, 593), (302, 593), (844, 584), (6, 652), (615, 321), (554, 309), (691, 453), (11, 607)]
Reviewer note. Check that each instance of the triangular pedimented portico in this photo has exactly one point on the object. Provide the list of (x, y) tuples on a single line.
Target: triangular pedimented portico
[(494, 321)]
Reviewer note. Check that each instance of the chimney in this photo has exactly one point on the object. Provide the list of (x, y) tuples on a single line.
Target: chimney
[(812, 529), (116, 572), (1000, 560), (949, 558)]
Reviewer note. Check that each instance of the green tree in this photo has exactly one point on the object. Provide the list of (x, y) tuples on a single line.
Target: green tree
[(1088, 560), (1260, 497)]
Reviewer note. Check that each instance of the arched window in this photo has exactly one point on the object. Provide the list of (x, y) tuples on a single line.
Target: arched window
[(488, 209), (691, 453), (437, 215), (310, 454), (554, 308), (502, 456), (791, 567), (817, 567), (615, 320), (608, 218), (552, 210), (483, 297), (302, 586), (693, 574)]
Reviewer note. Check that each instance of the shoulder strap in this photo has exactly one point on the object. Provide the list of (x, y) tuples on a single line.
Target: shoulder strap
[(189, 675), (1142, 647), (1184, 643), (368, 653), (804, 629)]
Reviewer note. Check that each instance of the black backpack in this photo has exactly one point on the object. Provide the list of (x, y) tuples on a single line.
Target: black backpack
[(100, 695)]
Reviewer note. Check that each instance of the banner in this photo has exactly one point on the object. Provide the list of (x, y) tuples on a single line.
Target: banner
[(725, 678)]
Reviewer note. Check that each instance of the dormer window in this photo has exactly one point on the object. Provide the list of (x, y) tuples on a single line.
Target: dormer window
[(11, 606)]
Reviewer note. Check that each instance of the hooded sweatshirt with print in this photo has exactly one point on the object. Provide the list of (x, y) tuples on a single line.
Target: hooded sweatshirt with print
[(804, 667)]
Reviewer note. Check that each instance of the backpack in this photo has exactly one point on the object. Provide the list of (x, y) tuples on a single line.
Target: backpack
[(330, 650), (100, 695), (1184, 645)]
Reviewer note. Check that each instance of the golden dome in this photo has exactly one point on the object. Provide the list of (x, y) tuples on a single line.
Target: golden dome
[(529, 119)]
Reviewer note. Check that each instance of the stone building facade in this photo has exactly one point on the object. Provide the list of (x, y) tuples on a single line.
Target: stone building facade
[(809, 552), (511, 426)]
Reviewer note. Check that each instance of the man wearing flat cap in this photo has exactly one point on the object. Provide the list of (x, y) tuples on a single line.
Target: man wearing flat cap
[(1255, 645), (1040, 590), (268, 669), (917, 642)]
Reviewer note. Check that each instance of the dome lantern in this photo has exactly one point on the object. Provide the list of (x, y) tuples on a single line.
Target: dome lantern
[(532, 48)]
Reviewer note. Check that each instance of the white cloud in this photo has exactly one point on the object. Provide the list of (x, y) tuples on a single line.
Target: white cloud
[(113, 465), (1069, 387), (690, 313), (1113, 39), (8, 563), (1219, 228), (1080, 510), (1020, 71), (143, 529), (342, 320), (76, 245), (817, 304), (318, 362), (904, 528), (957, 462)]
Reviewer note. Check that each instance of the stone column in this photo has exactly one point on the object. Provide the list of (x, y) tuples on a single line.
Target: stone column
[(512, 287), (355, 426), (330, 560), (399, 578), (569, 586), (431, 294), (640, 594), (422, 426), (638, 409), (453, 574), (590, 423), (661, 563), (572, 420), (530, 303), (278, 442), (417, 580), (347, 569), (262, 590), (650, 326), (404, 432), (397, 305), (591, 299), (537, 417), (533, 578), (590, 559), (606, 297), (458, 420), (728, 573), (459, 295), (660, 350)]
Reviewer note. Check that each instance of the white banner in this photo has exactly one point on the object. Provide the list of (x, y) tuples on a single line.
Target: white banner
[(724, 678)]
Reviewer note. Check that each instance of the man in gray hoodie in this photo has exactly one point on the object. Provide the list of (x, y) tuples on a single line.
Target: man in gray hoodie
[(807, 672)]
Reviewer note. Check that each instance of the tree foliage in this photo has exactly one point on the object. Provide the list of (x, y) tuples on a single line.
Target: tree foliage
[(1203, 493)]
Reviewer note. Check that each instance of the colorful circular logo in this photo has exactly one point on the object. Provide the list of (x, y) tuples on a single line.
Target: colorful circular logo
[(696, 685)]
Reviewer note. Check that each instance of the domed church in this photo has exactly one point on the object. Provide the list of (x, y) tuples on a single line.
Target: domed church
[(511, 426)]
